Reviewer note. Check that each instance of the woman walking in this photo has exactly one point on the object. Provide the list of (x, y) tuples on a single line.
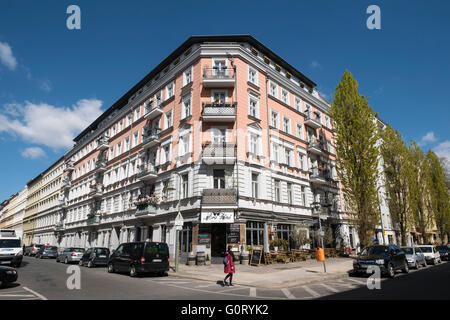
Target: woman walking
[(228, 267)]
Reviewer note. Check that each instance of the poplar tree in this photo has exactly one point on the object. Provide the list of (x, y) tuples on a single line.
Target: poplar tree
[(356, 135), (440, 200), (419, 189), (397, 170)]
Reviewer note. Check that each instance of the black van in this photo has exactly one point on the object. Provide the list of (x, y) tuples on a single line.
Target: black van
[(140, 257)]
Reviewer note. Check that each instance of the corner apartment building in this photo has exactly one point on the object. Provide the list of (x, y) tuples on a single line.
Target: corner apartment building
[(14, 212), (225, 132)]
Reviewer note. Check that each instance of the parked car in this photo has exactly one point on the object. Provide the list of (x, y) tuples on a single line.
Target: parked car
[(388, 257), (70, 255), (415, 257), (7, 276), (431, 253), (95, 257), (11, 250), (47, 252), (140, 257), (32, 249), (444, 252)]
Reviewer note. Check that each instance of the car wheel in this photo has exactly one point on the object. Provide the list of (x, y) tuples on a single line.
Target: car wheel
[(111, 268), (405, 268), (391, 271), (90, 265), (66, 261), (80, 263), (133, 272)]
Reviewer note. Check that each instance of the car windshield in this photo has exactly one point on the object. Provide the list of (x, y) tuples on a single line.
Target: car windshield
[(408, 250), (374, 251), (426, 249), (10, 243), (51, 248), (102, 251), (153, 248)]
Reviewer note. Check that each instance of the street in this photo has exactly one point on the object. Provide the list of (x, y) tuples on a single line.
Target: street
[(46, 279)]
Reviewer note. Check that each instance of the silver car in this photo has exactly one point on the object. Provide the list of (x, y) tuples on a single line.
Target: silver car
[(70, 255), (415, 257)]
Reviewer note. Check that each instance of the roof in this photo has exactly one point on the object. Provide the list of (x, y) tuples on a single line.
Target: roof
[(179, 51)]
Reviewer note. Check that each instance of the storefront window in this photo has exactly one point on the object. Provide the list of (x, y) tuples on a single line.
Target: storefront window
[(255, 233), (283, 231)]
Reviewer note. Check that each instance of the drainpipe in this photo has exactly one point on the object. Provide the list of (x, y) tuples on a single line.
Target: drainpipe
[(236, 128), (266, 238)]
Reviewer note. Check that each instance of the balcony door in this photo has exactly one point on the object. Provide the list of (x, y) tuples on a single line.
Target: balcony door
[(218, 136), (219, 178), (219, 96), (220, 68)]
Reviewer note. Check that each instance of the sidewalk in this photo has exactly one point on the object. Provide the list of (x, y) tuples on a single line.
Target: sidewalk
[(272, 276)]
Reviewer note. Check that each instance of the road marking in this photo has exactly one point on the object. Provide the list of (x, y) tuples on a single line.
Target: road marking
[(35, 293), (329, 288), (287, 293), (311, 291), (16, 295), (206, 285), (359, 282), (252, 292)]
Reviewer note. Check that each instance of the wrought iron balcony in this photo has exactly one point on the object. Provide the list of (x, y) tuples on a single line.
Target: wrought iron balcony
[(63, 203), (96, 191), (219, 197), (69, 166), (100, 165), (93, 220), (219, 112), (102, 143), (318, 177), (312, 122), (151, 139), (315, 147), (145, 209), (66, 183), (219, 153), (59, 226), (147, 172), (218, 77), (153, 110)]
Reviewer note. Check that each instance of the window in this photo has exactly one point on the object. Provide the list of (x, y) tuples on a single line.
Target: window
[(219, 179), (184, 144), (186, 109), (126, 146), (286, 125), (273, 90), (158, 99), (135, 138), (254, 148), (288, 156), (113, 130), (327, 121), (255, 233), (285, 96), (283, 231), (275, 120), (252, 75), (165, 154), (218, 135), (276, 152), (120, 125), (219, 96), (255, 185), (187, 76), (301, 158), (137, 113), (220, 68), (253, 106), (129, 119), (170, 88), (300, 131), (277, 193), (185, 185), (298, 104), (118, 149), (168, 120), (289, 193), (303, 196)]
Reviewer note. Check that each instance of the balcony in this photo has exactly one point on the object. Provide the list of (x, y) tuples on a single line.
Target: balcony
[(63, 203), (317, 176), (150, 139), (311, 122), (96, 191), (59, 226), (152, 111), (93, 220), (147, 172), (219, 112), (145, 209), (315, 147), (219, 198), (69, 167), (100, 165), (66, 184), (102, 143), (218, 77), (219, 153)]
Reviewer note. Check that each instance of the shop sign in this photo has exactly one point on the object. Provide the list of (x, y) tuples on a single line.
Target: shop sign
[(217, 217), (204, 238)]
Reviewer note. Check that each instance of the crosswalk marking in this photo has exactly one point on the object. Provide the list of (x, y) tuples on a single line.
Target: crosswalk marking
[(357, 281), (252, 292), (311, 291), (329, 288), (35, 293), (16, 295), (287, 293)]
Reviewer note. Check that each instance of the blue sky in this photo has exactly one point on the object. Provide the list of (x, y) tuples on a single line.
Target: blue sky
[(54, 81)]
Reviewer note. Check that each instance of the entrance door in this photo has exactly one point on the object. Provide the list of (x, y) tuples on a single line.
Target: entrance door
[(218, 239)]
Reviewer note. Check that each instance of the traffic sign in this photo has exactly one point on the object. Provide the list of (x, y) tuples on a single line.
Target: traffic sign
[(179, 220)]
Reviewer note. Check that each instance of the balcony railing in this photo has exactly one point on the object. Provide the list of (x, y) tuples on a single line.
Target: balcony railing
[(153, 110), (147, 172), (219, 111), (93, 220), (59, 226), (63, 203), (311, 121), (219, 153), (69, 166), (216, 197), (102, 143), (315, 147), (218, 77), (96, 191), (66, 184), (145, 209), (151, 139), (100, 165)]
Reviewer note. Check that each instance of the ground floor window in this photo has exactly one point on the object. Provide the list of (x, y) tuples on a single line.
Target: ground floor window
[(186, 238), (255, 233), (283, 231)]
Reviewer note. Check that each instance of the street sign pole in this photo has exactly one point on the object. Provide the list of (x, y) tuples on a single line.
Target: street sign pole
[(321, 240)]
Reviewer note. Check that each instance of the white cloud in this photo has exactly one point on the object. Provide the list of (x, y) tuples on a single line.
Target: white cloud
[(429, 137), (315, 65), (48, 125), (6, 56), (33, 153), (443, 149), (45, 85)]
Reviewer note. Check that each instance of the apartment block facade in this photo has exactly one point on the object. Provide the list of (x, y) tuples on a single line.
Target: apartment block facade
[(13, 213), (223, 131)]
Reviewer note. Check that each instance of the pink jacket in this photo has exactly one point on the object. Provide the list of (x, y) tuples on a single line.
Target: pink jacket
[(229, 268)]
